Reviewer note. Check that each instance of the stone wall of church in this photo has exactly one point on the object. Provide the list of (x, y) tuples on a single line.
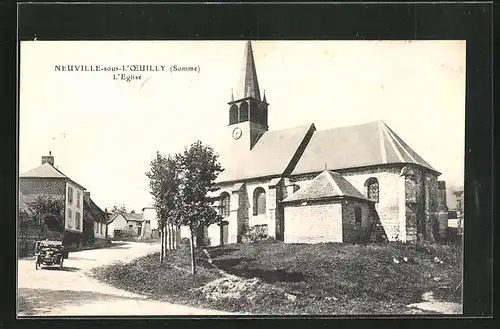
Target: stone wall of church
[(242, 216), (259, 219), (421, 204), (352, 231), (316, 222), (390, 193)]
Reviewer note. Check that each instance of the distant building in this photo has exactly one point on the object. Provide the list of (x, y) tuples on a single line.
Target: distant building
[(125, 225), (150, 224), (456, 218)]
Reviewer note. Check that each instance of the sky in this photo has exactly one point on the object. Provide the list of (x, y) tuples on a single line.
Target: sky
[(103, 133)]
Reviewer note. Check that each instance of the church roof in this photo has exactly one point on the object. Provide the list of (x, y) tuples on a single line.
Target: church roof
[(271, 155), (46, 171), (249, 86), (368, 144), (326, 185)]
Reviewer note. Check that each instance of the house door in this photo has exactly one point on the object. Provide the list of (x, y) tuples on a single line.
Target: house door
[(224, 233), (139, 230)]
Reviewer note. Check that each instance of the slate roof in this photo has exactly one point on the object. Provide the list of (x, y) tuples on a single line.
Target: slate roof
[(270, 156), (249, 86), (47, 171), (326, 185), (368, 144)]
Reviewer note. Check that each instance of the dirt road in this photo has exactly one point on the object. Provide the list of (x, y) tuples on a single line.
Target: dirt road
[(70, 292)]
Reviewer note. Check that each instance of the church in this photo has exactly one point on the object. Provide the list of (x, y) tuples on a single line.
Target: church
[(303, 185)]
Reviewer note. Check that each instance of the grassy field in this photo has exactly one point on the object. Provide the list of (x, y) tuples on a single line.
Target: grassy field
[(299, 279)]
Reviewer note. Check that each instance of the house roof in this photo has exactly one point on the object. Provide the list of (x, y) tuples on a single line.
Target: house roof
[(46, 171), (368, 144), (112, 217), (326, 185), (271, 155), (97, 213), (133, 217)]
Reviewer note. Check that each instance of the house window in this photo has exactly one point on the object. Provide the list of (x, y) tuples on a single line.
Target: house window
[(372, 189), (78, 195), (96, 227), (147, 221), (77, 220), (131, 226), (357, 215), (70, 195), (102, 228), (259, 201), (225, 204), (70, 219)]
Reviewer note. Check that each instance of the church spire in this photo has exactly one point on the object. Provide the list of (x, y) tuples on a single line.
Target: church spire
[(250, 84)]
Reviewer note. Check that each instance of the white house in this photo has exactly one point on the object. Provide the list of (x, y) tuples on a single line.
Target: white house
[(150, 221), (129, 224)]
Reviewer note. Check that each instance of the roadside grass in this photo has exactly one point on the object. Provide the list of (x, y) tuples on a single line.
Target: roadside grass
[(319, 279)]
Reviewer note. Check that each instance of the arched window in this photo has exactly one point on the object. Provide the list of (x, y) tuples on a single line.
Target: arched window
[(224, 206), (243, 112), (357, 215), (233, 114), (259, 201), (372, 189)]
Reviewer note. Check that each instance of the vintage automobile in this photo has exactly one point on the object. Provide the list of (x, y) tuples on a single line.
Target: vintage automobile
[(49, 253)]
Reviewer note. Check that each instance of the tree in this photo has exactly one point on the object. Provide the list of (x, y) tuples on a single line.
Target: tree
[(180, 185), (50, 211), (199, 167), (116, 209), (164, 183)]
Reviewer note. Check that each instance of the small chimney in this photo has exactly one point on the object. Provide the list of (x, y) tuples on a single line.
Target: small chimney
[(48, 159), (86, 195)]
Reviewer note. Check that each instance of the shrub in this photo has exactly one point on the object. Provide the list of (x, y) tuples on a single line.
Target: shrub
[(256, 234)]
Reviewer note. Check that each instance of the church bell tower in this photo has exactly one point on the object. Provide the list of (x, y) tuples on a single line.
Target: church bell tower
[(247, 111)]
